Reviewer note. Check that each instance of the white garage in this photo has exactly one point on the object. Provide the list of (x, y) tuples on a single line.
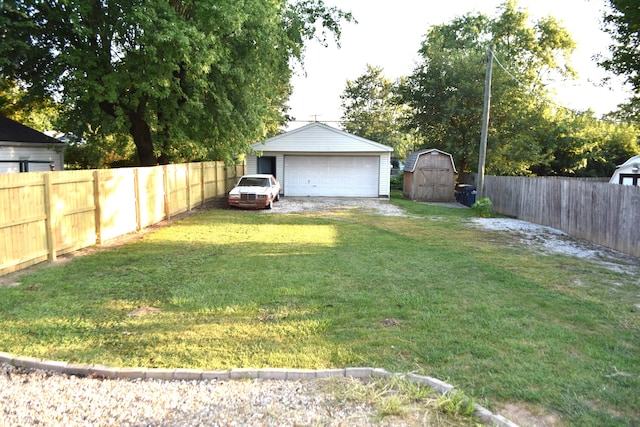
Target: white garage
[(341, 176), (319, 160)]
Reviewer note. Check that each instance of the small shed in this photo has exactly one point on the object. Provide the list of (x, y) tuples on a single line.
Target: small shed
[(23, 149), (627, 173), (429, 176)]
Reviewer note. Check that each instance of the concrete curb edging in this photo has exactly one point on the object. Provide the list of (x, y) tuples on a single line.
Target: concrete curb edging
[(109, 372)]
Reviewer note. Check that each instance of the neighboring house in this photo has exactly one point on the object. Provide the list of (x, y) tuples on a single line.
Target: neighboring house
[(429, 176), (23, 149), (319, 160), (627, 173)]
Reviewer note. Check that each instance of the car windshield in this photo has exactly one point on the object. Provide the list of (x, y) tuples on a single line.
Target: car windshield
[(254, 182)]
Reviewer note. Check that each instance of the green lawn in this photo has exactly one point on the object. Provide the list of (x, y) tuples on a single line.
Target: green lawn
[(425, 293)]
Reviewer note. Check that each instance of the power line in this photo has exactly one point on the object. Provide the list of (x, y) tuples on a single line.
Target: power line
[(551, 102)]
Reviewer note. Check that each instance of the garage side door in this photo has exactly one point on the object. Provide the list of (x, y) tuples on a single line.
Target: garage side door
[(335, 176)]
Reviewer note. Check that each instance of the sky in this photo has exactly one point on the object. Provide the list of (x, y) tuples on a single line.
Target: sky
[(389, 33)]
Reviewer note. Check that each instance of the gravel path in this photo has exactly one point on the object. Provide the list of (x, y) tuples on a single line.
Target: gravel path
[(39, 398)]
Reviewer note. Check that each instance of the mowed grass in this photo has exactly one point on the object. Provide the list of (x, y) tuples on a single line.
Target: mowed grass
[(426, 293)]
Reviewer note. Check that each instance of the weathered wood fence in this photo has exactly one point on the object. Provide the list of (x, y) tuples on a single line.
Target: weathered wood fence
[(603, 213), (47, 214)]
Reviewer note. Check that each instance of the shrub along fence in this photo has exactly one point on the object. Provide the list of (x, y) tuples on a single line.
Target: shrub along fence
[(47, 214), (603, 213)]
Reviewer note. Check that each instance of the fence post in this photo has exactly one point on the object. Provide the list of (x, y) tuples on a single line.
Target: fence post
[(165, 175), (217, 180), (50, 219), (136, 192), (202, 192), (96, 203), (225, 178), (188, 184)]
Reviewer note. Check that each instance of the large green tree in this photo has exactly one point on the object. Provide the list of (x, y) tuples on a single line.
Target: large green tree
[(15, 103), (582, 145), (185, 79), (623, 24), (446, 89), (372, 109)]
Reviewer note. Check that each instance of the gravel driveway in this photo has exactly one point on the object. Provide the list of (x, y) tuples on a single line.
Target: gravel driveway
[(379, 206)]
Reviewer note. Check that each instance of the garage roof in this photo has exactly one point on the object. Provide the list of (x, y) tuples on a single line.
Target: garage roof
[(319, 138)]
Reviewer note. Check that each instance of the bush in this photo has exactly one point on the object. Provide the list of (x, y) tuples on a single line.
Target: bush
[(397, 181), (482, 208)]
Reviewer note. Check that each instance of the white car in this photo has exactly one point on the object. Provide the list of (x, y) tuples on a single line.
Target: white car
[(255, 191)]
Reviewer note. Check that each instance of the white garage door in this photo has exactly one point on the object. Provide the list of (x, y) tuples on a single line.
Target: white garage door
[(338, 176)]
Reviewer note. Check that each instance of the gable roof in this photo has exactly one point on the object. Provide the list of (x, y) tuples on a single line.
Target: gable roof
[(412, 159), (12, 131), (631, 161), (319, 138)]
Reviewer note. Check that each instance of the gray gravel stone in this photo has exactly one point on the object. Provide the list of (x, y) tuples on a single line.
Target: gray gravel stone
[(41, 398)]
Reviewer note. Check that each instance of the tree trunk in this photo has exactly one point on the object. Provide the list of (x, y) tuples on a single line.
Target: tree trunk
[(142, 139), (462, 165), (162, 140)]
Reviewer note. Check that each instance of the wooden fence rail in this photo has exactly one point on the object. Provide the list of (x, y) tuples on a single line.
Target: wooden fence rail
[(47, 214), (603, 213)]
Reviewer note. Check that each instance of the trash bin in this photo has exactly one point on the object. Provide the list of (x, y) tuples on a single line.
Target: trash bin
[(466, 194)]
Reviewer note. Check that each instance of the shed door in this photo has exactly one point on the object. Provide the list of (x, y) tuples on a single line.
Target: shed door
[(434, 185), (336, 176), (434, 179)]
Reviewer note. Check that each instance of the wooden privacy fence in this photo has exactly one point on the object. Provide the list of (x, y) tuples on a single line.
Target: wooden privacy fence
[(47, 214), (603, 213)]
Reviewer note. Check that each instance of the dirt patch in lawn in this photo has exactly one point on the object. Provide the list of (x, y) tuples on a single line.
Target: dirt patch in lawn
[(550, 241)]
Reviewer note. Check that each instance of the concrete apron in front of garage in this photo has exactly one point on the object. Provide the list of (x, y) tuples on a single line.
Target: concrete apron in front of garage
[(379, 206)]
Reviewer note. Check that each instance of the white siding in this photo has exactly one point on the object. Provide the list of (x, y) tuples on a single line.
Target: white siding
[(384, 180), (321, 140), (252, 163), (385, 175), (280, 166), (630, 176), (631, 170), (31, 153), (336, 176)]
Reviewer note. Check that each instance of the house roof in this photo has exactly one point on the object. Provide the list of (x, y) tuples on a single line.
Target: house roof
[(412, 159), (12, 131), (319, 138), (631, 161)]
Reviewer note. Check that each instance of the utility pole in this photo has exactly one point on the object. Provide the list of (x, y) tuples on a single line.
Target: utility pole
[(485, 124)]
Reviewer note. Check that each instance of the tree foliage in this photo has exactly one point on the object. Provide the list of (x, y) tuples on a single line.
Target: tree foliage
[(446, 89), (581, 145), (441, 102), (623, 24), (372, 109), (15, 103), (184, 79)]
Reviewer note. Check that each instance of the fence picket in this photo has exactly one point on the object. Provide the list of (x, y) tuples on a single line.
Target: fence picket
[(603, 213), (46, 214)]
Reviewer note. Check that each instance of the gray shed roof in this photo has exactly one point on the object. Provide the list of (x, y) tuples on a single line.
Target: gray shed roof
[(12, 131), (412, 159)]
